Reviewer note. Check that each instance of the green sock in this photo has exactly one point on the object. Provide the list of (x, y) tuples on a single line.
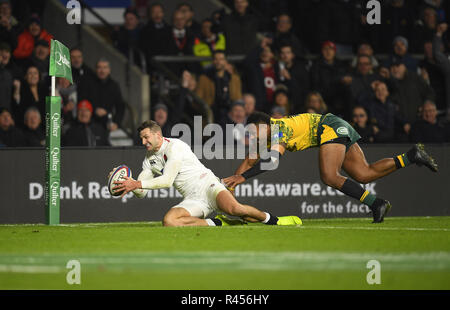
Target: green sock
[(353, 189), (401, 161)]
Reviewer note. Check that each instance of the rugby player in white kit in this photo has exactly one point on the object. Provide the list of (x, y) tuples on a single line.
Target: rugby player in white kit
[(171, 162)]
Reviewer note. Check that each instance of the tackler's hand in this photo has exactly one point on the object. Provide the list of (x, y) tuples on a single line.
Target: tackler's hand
[(230, 189), (234, 180)]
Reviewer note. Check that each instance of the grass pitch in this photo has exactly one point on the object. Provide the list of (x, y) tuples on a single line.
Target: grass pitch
[(414, 253)]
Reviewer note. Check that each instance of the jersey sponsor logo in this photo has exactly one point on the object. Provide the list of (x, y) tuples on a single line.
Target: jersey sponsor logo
[(342, 131)]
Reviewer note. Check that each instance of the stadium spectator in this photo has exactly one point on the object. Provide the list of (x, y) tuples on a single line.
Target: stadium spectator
[(326, 78), (361, 81), (240, 28), (339, 21), (294, 75), (161, 117), (69, 98), (219, 86), (85, 131), (6, 84), (40, 58), (409, 90), (33, 131), (281, 99), (261, 73), (154, 33), (208, 42), (314, 103), (365, 49), (433, 74), (126, 38), (237, 113), (400, 53), (285, 37), (363, 126), (278, 112), (383, 112), (439, 6), (443, 62), (27, 39), (425, 28), (181, 39), (249, 103), (31, 92), (237, 116), (10, 135), (9, 25), (188, 12), (105, 96), (397, 19), (178, 41), (8, 62), (81, 73), (185, 102), (428, 129)]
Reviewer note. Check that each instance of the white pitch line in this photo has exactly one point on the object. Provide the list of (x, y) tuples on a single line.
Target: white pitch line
[(29, 269), (379, 228)]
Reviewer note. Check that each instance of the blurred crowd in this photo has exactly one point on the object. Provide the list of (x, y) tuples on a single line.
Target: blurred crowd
[(391, 81)]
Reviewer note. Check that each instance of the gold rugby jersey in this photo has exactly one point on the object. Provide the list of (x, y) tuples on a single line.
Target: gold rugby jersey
[(298, 132)]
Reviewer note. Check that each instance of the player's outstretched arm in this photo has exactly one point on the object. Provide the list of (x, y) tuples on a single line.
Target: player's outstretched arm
[(250, 168), (171, 170)]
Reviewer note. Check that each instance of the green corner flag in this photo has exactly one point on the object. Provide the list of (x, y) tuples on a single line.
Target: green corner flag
[(59, 67), (60, 61)]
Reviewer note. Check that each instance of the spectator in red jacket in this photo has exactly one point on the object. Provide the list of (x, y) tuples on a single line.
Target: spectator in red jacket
[(26, 40)]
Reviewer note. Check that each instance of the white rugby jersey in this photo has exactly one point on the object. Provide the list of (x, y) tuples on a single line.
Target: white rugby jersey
[(174, 163)]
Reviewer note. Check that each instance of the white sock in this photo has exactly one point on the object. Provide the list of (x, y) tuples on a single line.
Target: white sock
[(210, 222), (267, 218)]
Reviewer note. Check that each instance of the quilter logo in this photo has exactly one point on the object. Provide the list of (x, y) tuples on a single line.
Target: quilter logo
[(74, 14), (374, 15)]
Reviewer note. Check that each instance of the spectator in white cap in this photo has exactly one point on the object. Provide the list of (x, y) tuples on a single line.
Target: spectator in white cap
[(400, 53)]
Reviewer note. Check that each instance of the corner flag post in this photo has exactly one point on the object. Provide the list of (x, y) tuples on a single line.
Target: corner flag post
[(59, 67)]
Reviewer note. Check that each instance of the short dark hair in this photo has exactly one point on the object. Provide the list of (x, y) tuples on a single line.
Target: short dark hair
[(219, 51), (155, 4), (284, 14), (286, 44), (5, 109), (180, 5), (76, 48), (258, 118), (209, 20), (5, 47), (152, 125)]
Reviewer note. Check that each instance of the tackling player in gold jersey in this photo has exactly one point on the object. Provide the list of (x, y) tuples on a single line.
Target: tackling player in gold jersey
[(338, 150)]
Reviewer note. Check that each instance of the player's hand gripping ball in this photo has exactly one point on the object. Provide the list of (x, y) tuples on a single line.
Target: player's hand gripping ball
[(117, 174)]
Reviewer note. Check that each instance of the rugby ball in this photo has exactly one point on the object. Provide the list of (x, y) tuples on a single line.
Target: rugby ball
[(118, 174)]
